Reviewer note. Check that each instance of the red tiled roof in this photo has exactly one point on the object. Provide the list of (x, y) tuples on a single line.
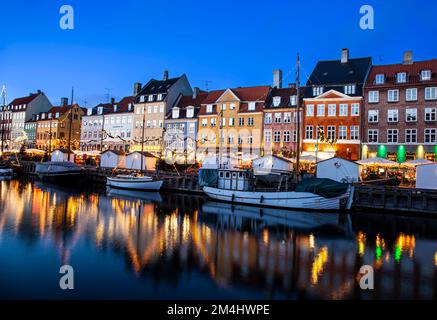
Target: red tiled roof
[(122, 105), (252, 93), (24, 100), (413, 72), (186, 101), (213, 96)]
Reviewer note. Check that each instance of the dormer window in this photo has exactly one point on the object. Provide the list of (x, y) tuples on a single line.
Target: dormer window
[(115, 108), (142, 98), (43, 116), (293, 100), (50, 115), (89, 112), (209, 108), (175, 114), (190, 112), (151, 98), (129, 107), (100, 110), (252, 106), (401, 77), (380, 79), (317, 91), (57, 115), (349, 89), (37, 117), (425, 75), (159, 97), (276, 101)]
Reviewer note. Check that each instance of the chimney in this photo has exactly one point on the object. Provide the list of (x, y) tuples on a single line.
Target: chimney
[(64, 101), (39, 91), (277, 78), (196, 91), (165, 75), (137, 88), (112, 100), (408, 57), (345, 55)]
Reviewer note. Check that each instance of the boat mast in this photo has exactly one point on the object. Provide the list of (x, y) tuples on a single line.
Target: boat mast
[(3, 93), (70, 124), (142, 139), (298, 137)]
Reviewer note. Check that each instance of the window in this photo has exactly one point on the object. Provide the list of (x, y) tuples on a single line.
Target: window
[(161, 109), (252, 106), (393, 95), (309, 132), (380, 79), (287, 136), (317, 91), (267, 136), (142, 99), (213, 122), (411, 94), (250, 121), (430, 135), (231, 122), (331, 132), (241, 121), (410, 135), (223, 106), (373, 116), (268, 118), (320, 110), (149, 109), (392, 136), (293, 100), (204, 122), (155, 109), (373, 96), (231, 138), (224, 122), (431, 93), (392, 115), (294, 135), (249, 139), (343, 110), (287, 117), (175, 113), (310, 110), (190, 112), (425, 75), (151, 98), (401, 77), (209, 108), (232, 106), (342, 133), (355, 133), (332, 110), (276, 101), (355, 109), (430, 114), (349, 89), (277, 136), (278, 118), (411, 115)]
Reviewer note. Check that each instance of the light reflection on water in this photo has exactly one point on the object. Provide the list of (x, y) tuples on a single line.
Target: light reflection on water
[(135, 245)]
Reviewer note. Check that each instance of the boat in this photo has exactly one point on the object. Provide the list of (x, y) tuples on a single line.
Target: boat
[(59, 171), (311, 194), (134, 182), (5, 171)]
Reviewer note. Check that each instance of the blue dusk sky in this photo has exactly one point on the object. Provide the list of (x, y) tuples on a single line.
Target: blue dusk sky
[(227, 43)]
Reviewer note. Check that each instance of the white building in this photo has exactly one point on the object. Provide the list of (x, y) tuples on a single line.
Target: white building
[(339, 169), (426, 176), (61, 155), (272, 164), (133, 161), (113, 159)]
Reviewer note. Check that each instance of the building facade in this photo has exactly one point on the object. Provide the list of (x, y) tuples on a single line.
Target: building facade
[(231, 123), (30, 131), (333, 107), (152, 103), (400, 111)]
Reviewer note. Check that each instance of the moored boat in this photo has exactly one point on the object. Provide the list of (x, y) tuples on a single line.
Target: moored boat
[(134, 182), (59, 171), (5, 171)]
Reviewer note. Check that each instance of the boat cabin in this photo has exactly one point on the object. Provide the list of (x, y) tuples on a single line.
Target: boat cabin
[(234, 180)]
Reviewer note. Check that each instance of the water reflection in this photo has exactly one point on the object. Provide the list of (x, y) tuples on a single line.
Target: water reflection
[(180, 246)]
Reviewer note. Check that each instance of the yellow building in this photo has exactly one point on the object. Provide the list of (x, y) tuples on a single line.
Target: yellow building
[(231, 124), (53, 127)]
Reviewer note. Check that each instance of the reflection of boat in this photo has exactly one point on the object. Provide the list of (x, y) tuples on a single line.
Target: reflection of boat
[(5, 171), (5, 177), (133, 182), (295, 219), (58, 171), (135, 194), (311, 194)]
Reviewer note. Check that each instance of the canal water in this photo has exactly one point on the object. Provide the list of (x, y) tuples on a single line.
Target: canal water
[(134, 245)]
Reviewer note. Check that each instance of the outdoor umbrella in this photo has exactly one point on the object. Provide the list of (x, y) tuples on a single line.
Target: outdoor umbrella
[(415, 163), (377, 162)]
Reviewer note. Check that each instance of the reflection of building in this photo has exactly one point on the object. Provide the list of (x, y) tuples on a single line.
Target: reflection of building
[(333, 103), (152, 103), (400, 113), (53, 127)]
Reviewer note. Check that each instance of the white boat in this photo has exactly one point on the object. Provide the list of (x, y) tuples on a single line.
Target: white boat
[(234, 186), (134, 182), (58, 171)]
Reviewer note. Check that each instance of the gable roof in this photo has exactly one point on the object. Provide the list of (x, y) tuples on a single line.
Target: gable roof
[(285, 95), (413, 72), (185, 102), (24, 100), (158, 86), (334, 74), (117, 152)]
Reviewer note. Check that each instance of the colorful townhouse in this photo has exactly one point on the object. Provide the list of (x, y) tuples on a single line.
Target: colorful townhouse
[(333, 108), (280, 119), (53, 127), (21, 111), (400, 111), (152, 103), (5, 126), (181, 126), (30, 131), (91, 131), (231, 124)]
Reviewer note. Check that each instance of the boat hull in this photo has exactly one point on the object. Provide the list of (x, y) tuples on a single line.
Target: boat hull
[(133, 184), (288, 200)]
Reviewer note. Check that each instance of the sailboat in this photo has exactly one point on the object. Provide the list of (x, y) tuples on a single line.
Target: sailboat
[(136, 181), (237, 186)]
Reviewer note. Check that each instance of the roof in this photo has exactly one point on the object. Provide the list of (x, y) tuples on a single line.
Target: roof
[(59, 109), (252, 93), (117, 152), (145, 153), (285, 94), (24, 100), (185, 102), (108, 108), (413, 72), (158, 86), (334, 75)]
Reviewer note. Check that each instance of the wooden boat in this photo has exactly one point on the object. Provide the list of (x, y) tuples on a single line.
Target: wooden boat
[(134, 182), (59, 171)]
